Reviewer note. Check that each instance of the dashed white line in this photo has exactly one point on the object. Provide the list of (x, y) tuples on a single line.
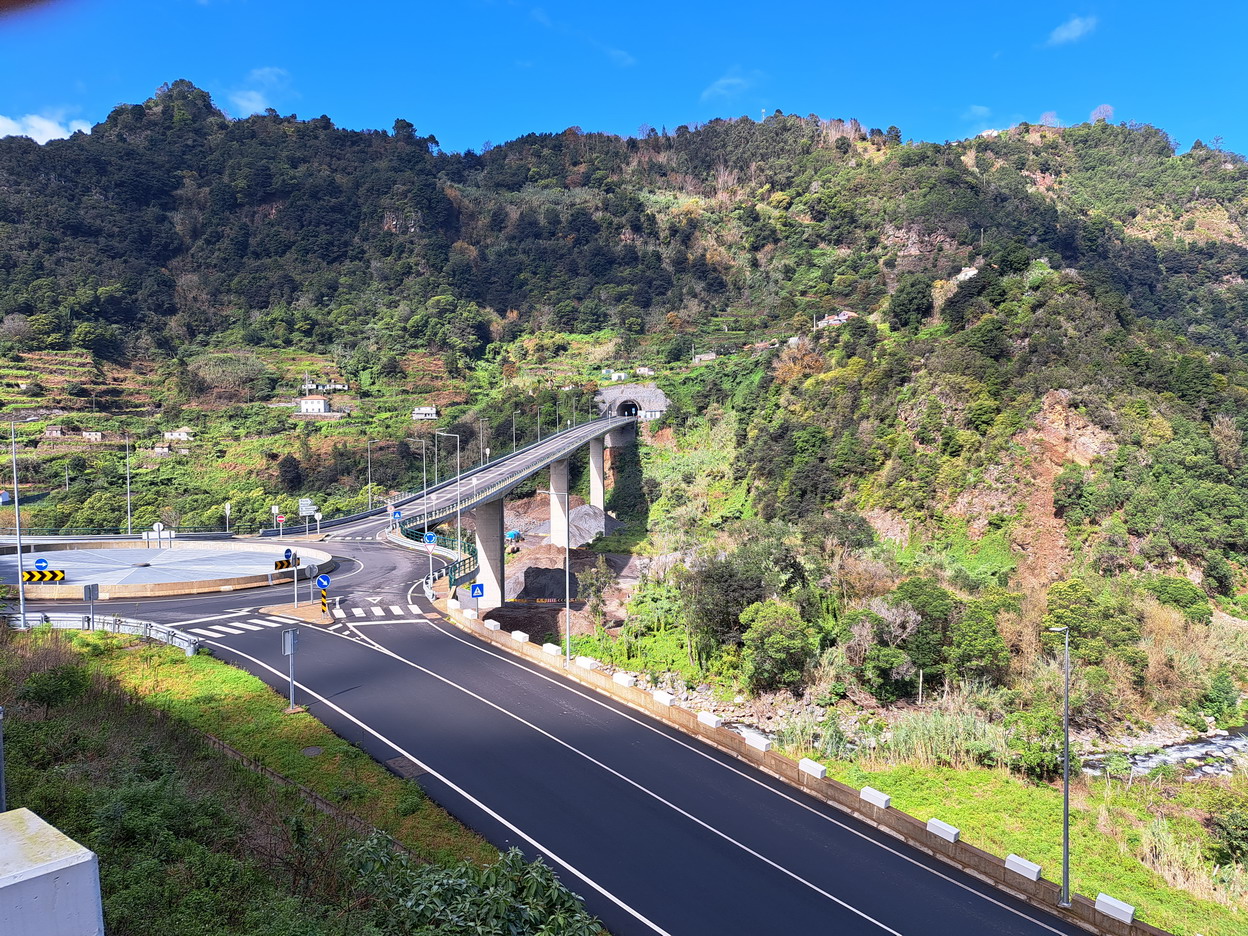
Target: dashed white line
[(265, 622), (378, 612), (211, 617), (228, 630), (396, 610), (358, 612), (250, 627)]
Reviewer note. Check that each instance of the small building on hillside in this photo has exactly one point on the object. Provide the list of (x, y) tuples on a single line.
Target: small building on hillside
[(645, 372), (184, 434), (161, 449), (705, 358), (313, 405), (617, 376), (53, 432), (424, 412), (93, 435)]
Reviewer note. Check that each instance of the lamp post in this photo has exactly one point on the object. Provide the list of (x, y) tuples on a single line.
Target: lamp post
[(513, 432), (368, 453), (567, 579), (17, 520), (481, 439), (459, 535), (1064, 897), (424, 487)]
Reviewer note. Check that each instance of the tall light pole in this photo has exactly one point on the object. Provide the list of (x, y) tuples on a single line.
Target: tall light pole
[(424, 487), (368, 453), (1064, 898), (567, 578), (481, 438), (513, 432), (128, 512), (17, 521), (459, 535)]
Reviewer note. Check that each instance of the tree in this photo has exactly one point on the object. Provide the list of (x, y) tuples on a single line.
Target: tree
[(1035, 741), (978, 650), (911, 303), (778, 646), (592, 585), (290, 473)]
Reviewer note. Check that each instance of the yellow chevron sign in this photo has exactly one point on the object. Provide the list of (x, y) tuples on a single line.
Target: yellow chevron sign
[(281, 564), (47, 575)]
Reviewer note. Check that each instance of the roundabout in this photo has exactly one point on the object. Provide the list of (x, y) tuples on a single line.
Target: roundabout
[(124, 569)]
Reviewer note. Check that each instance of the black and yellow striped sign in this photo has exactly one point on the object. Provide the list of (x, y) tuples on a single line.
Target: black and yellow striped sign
[(324, 601), (281, 564), (47, 575)]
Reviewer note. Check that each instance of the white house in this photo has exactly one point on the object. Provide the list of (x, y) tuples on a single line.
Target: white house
[(313, 405), (425, 412), (618, 376), (93, 435), (53, 432), (645, 372), (184, 434), (705, 358)]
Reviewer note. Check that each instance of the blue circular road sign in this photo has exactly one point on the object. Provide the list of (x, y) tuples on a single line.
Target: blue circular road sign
[(41, 564), (288, 554), (322, 581), (431, 538), (397, 515)]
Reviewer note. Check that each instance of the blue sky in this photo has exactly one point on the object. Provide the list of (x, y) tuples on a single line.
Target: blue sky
[(490, 70)]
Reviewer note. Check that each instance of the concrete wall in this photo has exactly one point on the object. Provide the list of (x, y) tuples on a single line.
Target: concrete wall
[(975, 861), (49, 884)]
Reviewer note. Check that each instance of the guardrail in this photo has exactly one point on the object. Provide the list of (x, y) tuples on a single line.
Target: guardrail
[(113, 625), (601, 426)]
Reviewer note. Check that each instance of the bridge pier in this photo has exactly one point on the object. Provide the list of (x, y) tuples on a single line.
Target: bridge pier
[(559, 503), (597, 476), (490, 559)]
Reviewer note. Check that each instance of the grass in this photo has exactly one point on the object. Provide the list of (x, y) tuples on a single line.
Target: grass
[(247, 715)]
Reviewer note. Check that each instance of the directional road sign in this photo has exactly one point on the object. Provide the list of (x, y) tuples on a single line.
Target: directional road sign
[(41, 564), (48, 575), (431, 538), (478, 590), (281, 518), (90, 592), (287, 554), (282, 564), (322, 581)]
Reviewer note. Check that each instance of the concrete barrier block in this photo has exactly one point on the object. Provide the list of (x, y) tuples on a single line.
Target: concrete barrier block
[(520, 636), (663, 698), (552, 649), (710, 718), (624, 679), (470, 613), (492, 625), (943, 830), (452, 603), (875, 797), (586, 662), (814, 768), (1112, 907), (758, 742), (1028, 869)]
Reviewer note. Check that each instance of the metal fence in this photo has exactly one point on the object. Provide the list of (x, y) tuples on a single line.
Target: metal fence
[(112, 625)]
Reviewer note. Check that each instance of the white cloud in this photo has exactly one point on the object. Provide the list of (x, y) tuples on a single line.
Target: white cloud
[(260, 86), (618, 57), (976, 112), (1072, 30), (729, 85), (621, 58), (41, 127)]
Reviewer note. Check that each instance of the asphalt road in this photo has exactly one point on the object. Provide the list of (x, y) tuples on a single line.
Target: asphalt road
[(658, 832)]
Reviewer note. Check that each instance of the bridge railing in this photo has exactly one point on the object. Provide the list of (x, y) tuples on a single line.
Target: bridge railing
[(408, 525), (112, 625)]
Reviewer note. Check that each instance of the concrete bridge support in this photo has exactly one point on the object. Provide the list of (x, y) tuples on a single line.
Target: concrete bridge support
[(559, 503), (597, 475), (490, 570)]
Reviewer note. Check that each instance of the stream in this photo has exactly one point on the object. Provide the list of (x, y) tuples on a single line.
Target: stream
[(1208, 757)]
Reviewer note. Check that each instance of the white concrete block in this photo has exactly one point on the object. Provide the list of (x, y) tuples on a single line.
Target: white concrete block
[(492, 625), (49, 884), (624, 679), (875, 797), (552, 649), (520, 636), (470, 613), (663, 698), (585, 662), (758, 741), (1028, 869), (1115, 908), (710, 718), (452, 603), (814, 768), (943, 830)]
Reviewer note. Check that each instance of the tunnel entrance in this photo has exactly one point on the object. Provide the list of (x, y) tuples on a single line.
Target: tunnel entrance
[(626, 408)]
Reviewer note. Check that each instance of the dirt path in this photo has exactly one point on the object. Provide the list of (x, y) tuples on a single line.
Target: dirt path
[(1042, 537)]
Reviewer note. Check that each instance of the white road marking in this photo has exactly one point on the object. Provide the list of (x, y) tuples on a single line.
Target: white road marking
[(339, 613), (395, 609), (415, 610), (221, 627), (378, 612), (465, 794), (730, 767), (203, 631), (250, 627), (267, 623), (358, 612), (211, 617)]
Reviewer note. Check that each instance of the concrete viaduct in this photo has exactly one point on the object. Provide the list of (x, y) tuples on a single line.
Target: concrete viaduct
[(484, 488)]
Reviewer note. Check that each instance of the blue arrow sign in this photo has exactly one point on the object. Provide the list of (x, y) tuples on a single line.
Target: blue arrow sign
[(288, 554), (478, 590), (41, 564), (322, 581), (431, 538), (397, 515)]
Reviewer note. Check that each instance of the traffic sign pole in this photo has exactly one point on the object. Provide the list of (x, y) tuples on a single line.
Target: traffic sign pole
[(290, 643)]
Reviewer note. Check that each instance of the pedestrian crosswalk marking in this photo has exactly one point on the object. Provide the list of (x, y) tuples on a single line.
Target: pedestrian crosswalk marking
[(250, 627), (395, 609), (339, 613), (379, 612), (228, 630), (203, 631), (267, 623), (414, 609), (358, 612)]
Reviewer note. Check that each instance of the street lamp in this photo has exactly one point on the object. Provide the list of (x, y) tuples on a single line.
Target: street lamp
[(17, 520), (459, 536), (1064, 898), (481, 439), (567, 577), (513, 432), (128, 513), (424, 487), (368, 453)]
